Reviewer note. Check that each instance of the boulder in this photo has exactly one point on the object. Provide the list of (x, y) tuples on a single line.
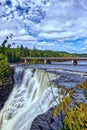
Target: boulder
[(47, 122)]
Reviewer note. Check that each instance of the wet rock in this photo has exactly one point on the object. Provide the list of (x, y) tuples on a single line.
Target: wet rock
[(47, 122), (43, 121), (70, 80)]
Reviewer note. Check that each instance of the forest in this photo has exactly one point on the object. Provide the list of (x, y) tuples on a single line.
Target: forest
[(14, 54)]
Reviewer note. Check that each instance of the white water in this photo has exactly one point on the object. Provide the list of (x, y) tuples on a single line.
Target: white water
[(33, 94)]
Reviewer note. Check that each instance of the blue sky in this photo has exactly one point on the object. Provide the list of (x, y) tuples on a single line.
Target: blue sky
[(59, 25)]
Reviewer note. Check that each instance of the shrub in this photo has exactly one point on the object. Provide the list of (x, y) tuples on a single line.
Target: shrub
[(75, 115), (76, 118)]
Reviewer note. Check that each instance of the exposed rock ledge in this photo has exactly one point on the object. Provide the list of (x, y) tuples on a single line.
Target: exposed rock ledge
[(47, 122), (5, 89)]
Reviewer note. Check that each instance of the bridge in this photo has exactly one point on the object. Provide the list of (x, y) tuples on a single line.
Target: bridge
[(47, 60)]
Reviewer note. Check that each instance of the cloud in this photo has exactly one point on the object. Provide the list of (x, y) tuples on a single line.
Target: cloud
[(45, 44), (67, 18), (56, 20), (24, 38)]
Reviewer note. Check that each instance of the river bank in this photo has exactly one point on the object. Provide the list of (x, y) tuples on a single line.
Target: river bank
[(6, 87), (33, 96), (6, 81)]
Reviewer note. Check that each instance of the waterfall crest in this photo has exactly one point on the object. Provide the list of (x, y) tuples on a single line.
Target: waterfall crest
[(33, 94)]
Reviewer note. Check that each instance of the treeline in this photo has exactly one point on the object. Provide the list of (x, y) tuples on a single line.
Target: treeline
[(14, 54)]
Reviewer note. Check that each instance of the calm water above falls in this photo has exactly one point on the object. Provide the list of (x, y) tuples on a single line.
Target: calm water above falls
[(33, 93), (80, 67)]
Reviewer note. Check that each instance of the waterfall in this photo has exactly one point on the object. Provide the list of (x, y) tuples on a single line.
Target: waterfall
[(33, 94)]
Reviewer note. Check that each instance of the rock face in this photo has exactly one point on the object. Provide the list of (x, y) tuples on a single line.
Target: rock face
[(47, 122), (5, 89)]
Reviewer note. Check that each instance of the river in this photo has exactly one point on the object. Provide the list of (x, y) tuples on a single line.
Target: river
[(34, 89), (80, 67)]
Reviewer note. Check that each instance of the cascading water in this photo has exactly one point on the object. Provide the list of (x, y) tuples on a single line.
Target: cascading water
[(33, 94)]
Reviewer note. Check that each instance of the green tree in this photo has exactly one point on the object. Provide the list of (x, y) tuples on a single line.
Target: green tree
[(5, 71)]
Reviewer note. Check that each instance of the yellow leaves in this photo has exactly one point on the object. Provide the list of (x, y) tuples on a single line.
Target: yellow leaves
[(63, 91), (62, 106), (65, 107), (82, 86), (56, 110), (71, 92), (65, 103), (79, 86), (67, 100), (76, 118)]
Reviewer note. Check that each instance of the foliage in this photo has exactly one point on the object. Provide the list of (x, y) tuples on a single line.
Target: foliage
[(75, 116), (4, 67), (63, 105), (14, 52)]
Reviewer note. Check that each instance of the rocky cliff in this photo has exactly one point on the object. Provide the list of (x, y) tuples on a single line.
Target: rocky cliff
[(5, 88)]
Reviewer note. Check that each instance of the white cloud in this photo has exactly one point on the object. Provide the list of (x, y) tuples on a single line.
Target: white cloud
[(24, 38), (5, 32), (67, 17), (52, 19), (57, 35), (22, 31), (45, 44)]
